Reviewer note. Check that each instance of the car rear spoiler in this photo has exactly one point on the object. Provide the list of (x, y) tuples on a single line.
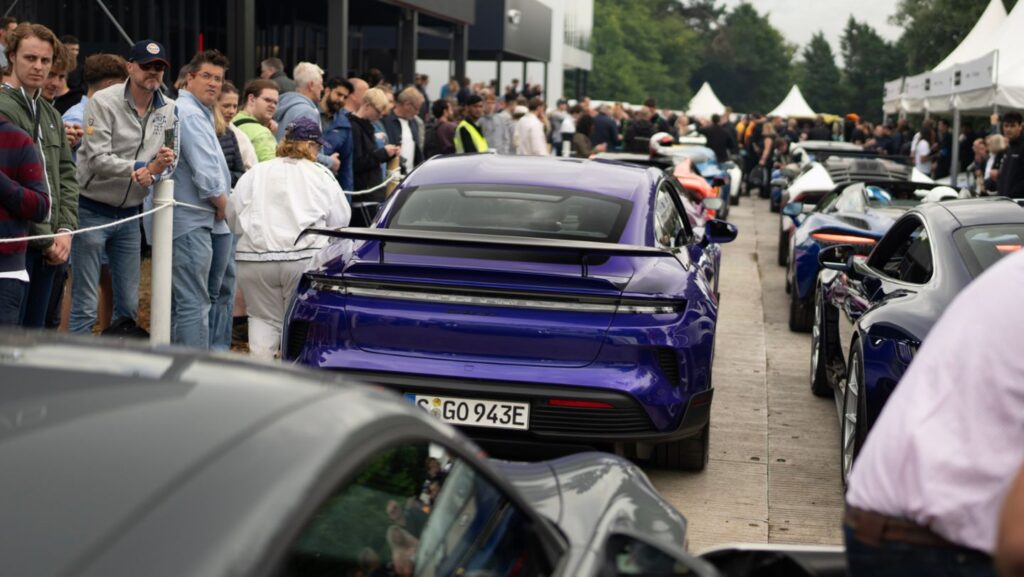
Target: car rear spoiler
[(583, 249)]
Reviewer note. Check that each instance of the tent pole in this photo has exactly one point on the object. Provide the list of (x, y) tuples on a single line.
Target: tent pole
[(954, 166)]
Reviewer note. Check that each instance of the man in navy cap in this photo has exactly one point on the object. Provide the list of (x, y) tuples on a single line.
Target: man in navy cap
[(124, 151)]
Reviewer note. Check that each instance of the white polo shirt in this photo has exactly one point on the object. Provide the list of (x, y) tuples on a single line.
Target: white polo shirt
[(949, 441)]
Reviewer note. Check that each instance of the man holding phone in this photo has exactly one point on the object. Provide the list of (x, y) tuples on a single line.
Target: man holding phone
[(128, 145)]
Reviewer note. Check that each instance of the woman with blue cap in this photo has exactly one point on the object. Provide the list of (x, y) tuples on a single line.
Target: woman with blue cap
[(271, 204)]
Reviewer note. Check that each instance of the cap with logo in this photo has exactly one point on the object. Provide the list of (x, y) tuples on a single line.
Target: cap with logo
[(305, 129), (145, 51)]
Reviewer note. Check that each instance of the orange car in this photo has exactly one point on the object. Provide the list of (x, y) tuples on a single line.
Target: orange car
[(696, 185)]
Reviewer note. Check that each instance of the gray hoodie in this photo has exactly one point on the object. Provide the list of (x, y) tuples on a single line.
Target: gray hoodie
[(117, 142)]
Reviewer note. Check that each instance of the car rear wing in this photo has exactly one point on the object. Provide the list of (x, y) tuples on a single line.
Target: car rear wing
[(582, 249)]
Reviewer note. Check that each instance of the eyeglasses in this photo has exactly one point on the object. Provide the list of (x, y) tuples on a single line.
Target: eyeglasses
[(211, 77), (268, 100), (153, 66)]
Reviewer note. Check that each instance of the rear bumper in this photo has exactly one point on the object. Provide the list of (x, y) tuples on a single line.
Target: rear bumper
[(625, 421)]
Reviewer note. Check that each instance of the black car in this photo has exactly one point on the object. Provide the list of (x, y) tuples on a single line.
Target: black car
[(117, 460), (871, 314)]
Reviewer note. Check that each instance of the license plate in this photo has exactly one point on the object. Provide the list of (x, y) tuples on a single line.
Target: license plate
[(475, 412)]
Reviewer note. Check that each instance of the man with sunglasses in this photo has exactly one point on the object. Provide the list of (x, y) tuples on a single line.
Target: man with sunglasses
[(123, 153)]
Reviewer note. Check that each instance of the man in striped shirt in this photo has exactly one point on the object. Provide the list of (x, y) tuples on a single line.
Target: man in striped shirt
[(23, 199)]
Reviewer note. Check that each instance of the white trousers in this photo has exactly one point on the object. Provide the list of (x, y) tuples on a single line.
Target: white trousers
[(268, 287)]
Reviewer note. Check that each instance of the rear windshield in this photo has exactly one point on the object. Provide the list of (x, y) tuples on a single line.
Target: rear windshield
[(514, 211), (982, 246)]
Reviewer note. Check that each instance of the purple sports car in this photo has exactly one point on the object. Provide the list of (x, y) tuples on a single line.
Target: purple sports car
[(528, 299)]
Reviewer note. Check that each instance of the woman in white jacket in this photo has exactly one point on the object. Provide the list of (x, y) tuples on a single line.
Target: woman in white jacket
[(270, 206)]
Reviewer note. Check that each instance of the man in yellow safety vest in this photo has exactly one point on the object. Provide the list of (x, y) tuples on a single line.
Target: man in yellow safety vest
[(468, 137)]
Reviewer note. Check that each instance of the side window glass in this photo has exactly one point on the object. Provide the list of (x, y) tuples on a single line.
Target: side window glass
[(415, 510), (667, 222), (906, 257), (851, 200)]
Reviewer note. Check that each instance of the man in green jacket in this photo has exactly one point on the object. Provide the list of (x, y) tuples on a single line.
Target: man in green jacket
[(259, 102), (32, 50)]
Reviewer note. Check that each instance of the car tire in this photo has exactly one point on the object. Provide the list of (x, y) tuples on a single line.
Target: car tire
[(852, 426), (689, 454), (783, 258), (801, 313), (821, 353)]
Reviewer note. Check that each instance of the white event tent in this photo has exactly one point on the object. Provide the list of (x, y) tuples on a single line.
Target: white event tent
[(705, 103), (793, 106)]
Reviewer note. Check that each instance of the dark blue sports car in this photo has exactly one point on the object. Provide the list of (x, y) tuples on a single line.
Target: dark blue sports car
[(528, 299), (856, 214), (871, 314)]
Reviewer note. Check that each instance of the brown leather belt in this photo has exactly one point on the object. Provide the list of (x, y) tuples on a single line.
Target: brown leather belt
[(873, 528)]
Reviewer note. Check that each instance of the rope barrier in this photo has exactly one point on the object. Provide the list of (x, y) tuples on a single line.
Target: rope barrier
[(394, 175)]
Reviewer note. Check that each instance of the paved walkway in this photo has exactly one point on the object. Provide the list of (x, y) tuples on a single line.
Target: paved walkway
[(773, 476)]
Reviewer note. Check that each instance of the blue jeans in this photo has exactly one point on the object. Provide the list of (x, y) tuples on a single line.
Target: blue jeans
[(122, 245), (891, 559), (12, 297), (40, 287), (190, 293), (222, 290)]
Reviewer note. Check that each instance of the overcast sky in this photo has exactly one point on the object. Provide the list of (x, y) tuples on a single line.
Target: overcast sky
[(798, 20)]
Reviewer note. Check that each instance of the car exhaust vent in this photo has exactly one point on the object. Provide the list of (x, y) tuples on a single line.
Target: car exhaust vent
[(669, 364), (625, 417), (298, 331)]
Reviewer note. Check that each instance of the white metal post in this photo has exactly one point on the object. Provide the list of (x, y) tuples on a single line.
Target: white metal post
[(163, 241)]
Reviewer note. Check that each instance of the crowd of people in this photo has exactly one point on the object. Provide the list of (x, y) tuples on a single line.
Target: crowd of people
[(105, 131)]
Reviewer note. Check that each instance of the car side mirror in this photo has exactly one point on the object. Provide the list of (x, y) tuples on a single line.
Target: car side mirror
[(780, 182), (713, 203), (719, 232), (629, 554), (717, 181), (793, 210), (837, 257)]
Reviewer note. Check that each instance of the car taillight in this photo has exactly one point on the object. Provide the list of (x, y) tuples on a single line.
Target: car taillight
[(842, 238)]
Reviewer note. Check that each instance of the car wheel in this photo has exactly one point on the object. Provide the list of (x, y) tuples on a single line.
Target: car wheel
[(689, 454), (783, 258), (819, 348), (801, 314), (852, 424)]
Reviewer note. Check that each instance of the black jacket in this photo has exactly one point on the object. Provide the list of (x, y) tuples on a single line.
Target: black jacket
[(720, 140), (232, 154), (366, 160), (393, 126), (1011, 173)]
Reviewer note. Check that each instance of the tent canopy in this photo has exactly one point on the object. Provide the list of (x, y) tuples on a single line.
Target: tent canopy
[(705, 103), (980, 40), (793, 105)]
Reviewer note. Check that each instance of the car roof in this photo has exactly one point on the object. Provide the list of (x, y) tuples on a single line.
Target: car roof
[(615, 179), (812, 145), (979, 211), (95, 433)]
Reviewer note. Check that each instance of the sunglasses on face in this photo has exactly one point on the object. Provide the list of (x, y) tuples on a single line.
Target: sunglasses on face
[(153, 66)]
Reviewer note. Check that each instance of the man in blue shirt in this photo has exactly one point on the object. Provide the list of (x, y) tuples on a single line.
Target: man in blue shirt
[(201, 238), (338, 135), (606, 130)]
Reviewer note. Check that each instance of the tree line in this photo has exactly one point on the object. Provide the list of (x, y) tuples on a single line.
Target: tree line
[(668, 48)]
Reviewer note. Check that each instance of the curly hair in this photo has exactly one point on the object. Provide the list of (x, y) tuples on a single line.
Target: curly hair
[(61, 58), (298, 149)]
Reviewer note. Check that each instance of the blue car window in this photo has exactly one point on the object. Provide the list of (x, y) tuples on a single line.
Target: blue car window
[(414, 510), (514, 211)]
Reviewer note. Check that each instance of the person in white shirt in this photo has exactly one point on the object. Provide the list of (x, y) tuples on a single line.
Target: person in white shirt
[(922, 151), (270, 206), (926, 490), (530, 133)]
